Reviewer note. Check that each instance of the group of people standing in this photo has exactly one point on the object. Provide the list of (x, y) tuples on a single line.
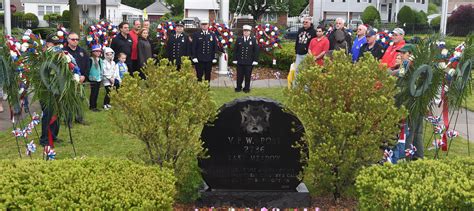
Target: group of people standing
[(314, 41)]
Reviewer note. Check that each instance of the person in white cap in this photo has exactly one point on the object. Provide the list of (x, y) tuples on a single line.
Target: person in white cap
[(391, 53), (245, 57), (204, 50)]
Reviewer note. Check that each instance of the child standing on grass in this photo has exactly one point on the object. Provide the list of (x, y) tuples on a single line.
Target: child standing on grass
[(120, 69), (95, 76), (108, 76)]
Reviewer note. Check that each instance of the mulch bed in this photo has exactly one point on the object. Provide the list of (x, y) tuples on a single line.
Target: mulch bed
[(323, 203), (262, 72)]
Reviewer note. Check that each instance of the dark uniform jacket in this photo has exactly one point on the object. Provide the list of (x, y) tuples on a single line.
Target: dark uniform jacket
[(178, 47), (204, 47), (377, 51), (121, 44), (82, 59), (246, 52), (303, 39)]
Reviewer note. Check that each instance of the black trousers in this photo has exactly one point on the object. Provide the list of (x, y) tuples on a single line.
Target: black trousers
[(244, 72), (107, 94), (177, 62), (203, 68), (95, 86), (136, 67), (47, 115)]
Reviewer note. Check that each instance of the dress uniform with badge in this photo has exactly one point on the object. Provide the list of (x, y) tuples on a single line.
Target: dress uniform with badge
[(178, 45), (204, 48), (245, 57)]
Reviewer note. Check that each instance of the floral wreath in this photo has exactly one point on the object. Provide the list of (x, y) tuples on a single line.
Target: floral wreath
[(384, 38), (225, 37), (163, 29), (101, 33), (267, 38)]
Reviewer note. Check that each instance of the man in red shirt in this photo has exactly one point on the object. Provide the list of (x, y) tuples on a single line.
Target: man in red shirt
[(391, 53), (319, 46), (134, 54)]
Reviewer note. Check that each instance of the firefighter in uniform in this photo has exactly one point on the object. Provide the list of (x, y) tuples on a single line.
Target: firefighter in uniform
[(204, 48), (178, 45), (245, 57)]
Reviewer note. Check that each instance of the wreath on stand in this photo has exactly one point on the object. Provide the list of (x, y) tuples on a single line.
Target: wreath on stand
[(267, 39), (101, 34), (225, 37), (163, 30)]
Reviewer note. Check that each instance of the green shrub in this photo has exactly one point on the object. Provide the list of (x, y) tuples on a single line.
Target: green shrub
[(370, 15), (52, 17), (406, 15), (432, 8), (418, 185), (167, 112), (31, 20), (84, 184), (420, 17), (347, 110), (65, 18), (435, 22)]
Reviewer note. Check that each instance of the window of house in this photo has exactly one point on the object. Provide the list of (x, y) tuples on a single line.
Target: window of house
[(332, 0), (418, 1), (40, 10), (343, 0), (1, 5), (423, 1), (57, 9), (363, 1)]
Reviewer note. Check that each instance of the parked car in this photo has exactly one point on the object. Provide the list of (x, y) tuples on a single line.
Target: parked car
[(191, 22), (292, 32), (354, 23), (327, 22)]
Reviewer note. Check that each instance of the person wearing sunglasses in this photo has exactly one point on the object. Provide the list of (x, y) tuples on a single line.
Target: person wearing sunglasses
[(375, 48), (82, 59)]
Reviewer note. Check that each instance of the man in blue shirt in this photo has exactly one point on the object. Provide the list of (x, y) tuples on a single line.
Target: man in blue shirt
[(359, 41)]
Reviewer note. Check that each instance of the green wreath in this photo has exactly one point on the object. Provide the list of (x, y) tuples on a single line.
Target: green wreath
[(415, 90)]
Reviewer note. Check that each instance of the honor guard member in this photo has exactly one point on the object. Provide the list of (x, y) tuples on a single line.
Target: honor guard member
[(178, 45), (203, 50), (245, 57)]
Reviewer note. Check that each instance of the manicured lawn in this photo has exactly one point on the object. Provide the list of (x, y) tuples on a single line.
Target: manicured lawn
[(101, 138)]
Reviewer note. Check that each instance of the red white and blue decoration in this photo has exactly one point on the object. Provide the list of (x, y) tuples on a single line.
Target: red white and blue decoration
[(101, 33), (267, 38), (163, 29), (225, 37)]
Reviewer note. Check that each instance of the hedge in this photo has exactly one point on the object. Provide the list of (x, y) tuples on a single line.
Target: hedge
[(84, 184), (418, 185)]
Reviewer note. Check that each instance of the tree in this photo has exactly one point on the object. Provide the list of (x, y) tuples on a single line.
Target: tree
[(344, 125), (140, 4), (432, 9), (370, 15), (74, 18), (405, 15), (296, 7), (176, 6), (420, 17), (464, 14), (258, 7), (167, 113), (435, 22)]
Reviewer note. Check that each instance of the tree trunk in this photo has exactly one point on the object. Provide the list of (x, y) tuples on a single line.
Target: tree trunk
[(103, 15), (74, 18)]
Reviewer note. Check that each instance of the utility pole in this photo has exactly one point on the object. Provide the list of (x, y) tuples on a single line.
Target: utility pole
[(444, 17), (7, 17), (224, 13)]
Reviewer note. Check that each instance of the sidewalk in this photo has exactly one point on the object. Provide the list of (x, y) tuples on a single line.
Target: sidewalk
[(224, 81)]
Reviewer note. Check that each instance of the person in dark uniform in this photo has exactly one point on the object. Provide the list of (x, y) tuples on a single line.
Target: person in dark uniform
[(245, 57), (204, 50), (372, 46), (178, 45)]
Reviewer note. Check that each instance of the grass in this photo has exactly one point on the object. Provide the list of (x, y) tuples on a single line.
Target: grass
[(100, 138)]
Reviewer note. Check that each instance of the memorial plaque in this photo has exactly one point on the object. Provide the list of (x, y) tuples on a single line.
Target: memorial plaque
[(252, 146)]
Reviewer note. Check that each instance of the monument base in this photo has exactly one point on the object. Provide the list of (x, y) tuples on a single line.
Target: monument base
[(269, 199)]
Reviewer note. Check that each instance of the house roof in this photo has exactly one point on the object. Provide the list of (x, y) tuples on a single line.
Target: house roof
[(157, 8), (79, 2), (201, 4)]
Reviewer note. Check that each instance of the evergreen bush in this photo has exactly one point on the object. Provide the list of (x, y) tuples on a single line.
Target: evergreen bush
[(370, 15), (406, 16)]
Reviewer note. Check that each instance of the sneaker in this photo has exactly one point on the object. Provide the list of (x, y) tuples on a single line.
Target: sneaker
[(106, 107), (109, 106)]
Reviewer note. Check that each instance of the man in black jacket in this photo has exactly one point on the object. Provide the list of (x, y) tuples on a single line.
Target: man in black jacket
[(178, 45), (82, 59), (245, 57), (204, 50), (340, 38), (305, 35), (372, 46), (122, 43)]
